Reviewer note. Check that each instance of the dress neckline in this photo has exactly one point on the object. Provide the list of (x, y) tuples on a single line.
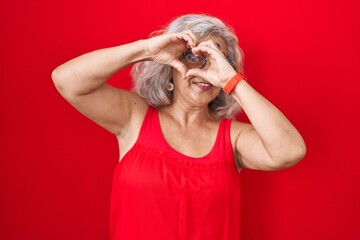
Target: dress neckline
[(181, 155)]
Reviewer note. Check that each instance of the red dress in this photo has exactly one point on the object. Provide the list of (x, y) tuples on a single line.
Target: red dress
[(159, 193)]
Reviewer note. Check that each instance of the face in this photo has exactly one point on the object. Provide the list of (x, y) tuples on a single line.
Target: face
[(195, 90)]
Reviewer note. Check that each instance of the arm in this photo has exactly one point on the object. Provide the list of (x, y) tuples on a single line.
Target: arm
[(270, 142), (82, 80)]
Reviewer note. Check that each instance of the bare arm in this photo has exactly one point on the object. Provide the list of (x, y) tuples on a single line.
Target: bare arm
[(82, 80), (270, 142)]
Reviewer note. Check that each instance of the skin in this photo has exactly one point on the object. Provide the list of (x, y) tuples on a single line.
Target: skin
[(270, 142)]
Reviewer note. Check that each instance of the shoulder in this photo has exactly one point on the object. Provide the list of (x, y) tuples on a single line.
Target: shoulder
[(236, 129)]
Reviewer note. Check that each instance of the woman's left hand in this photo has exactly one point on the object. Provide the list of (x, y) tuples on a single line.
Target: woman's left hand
[(219, 71)]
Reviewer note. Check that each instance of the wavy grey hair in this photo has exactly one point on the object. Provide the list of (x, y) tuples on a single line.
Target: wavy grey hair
[(151, 79)]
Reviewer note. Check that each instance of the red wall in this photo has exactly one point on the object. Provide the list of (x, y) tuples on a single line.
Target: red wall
[(56, 166)]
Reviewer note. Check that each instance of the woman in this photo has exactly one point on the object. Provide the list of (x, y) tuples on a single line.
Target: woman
[(178, 176)]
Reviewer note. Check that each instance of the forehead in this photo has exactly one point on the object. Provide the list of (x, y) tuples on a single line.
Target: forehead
[(220, 41)]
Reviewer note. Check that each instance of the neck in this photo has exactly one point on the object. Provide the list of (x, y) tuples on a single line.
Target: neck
[(187, 115)]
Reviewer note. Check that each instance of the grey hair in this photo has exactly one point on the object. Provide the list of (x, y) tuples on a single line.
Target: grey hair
[(151, 79)]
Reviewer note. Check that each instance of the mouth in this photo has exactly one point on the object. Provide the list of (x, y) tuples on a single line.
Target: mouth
[(203, 85)]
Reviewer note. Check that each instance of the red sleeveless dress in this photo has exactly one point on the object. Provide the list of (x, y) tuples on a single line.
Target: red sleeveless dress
[(159, 193)]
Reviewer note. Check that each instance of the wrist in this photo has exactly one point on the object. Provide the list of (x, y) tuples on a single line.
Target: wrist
[(232, 82), (227, 77), (146, 53), (131, 53)]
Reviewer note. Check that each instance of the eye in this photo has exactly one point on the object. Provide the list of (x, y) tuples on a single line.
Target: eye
[(193, 58), (193, 61)]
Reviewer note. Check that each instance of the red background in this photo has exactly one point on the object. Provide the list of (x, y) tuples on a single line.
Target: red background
[(56, 165)]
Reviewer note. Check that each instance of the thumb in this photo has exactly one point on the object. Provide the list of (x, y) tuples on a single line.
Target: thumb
[(196, 72), (180, 67)]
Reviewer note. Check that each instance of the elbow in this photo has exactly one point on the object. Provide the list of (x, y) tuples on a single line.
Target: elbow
[(64, 83), (69, 83), (296, 156), (56, 78), (297, 153), (293, 156)]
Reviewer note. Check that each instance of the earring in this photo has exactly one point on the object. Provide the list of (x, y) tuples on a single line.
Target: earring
[(170, 87)]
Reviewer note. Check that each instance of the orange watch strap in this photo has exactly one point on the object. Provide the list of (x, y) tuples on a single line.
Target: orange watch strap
[(230, 85)]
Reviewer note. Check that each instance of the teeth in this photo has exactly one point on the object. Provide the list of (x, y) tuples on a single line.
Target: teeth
[(204, 84)]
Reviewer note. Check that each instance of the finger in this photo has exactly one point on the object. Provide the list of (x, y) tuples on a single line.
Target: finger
[(206, 49), (193, 36), (195, 72), (210, 44), (200, 48), (180, 67), (214, 45), (187, 38)]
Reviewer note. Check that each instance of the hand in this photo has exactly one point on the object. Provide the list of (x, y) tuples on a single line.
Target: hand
[(219, 71), (166, 49)]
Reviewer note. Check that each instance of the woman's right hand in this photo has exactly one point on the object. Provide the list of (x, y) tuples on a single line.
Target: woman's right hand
[(166, 49)]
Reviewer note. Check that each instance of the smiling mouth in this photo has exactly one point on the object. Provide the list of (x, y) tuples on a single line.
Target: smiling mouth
[(203, 85)]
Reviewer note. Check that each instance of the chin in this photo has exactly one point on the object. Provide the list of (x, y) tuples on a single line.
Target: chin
[(203, 99)]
